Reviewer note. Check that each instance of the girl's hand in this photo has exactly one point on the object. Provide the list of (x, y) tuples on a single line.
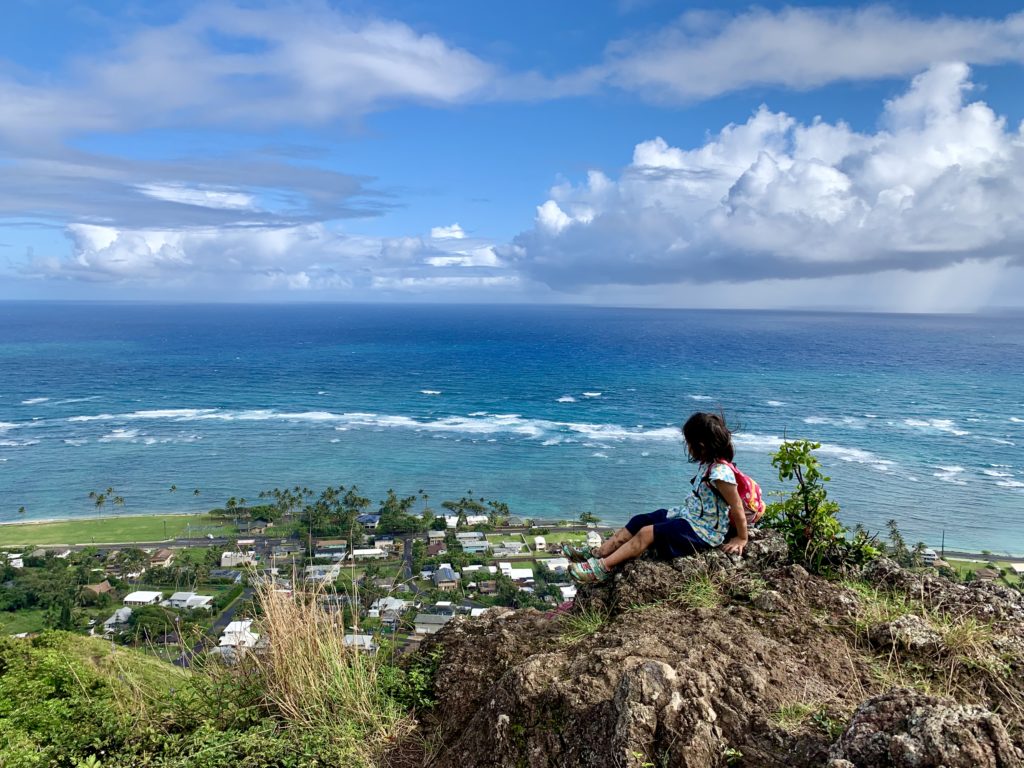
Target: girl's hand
[(735, 545)]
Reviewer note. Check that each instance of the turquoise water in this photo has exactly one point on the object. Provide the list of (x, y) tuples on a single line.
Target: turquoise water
[(554, 410)]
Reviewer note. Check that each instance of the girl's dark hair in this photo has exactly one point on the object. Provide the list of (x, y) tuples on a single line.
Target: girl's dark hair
[(708, 438)]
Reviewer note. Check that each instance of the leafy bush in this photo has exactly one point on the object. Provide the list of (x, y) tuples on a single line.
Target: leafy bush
[(808, 519)]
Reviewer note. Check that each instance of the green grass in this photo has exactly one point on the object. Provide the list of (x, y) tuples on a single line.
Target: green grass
[(558, 538), (577, 626), (16, 622), (699, 592), (964, 566), (124, 529)]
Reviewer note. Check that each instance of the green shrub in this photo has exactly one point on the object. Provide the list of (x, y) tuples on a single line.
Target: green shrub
[(808, 519)]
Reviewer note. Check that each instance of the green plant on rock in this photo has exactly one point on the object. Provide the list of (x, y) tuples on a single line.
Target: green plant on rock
[(808, 519), (579, 625)]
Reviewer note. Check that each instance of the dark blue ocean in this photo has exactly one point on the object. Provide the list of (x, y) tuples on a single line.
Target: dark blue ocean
[(554, 410)]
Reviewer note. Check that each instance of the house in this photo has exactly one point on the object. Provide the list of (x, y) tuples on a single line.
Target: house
[(568, 592), (429, 623), (226, 574), (334, 602), (540, 544), (594, 539), (475, 568), (464, 536), (370, 521), (446, 579), (103, 588), (321, 573), (388, 609), (335, 555), (1017, 568), (929, 556), (143, 598), (162, 558), (435, 536), (189, 601), (235, 559), (435, 550), (237, 634), (15, 561), (452, 521), (515, 522), (341, 544), (474, 612), (361, 642), (375, 553), (987, 574), (117, 621), (475, 547), (557, 564), (516, 574), (444, 607), (508, 548), (487, 587)]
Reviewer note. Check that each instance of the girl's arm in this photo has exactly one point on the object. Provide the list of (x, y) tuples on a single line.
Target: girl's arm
[(737, 516)]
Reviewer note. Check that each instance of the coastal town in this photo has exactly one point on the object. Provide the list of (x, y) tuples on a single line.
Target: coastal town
[(192, 596)]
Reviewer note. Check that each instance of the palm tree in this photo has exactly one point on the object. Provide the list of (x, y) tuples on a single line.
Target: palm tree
[(99, 499), (119, 501), (21, 510)]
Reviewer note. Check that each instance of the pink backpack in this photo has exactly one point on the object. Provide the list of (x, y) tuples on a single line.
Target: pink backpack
[(749, 490)]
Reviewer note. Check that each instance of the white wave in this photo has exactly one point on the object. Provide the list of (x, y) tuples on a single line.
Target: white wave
[(478, 413), (552, 441), (335, 440), (950, 474), (940, 425), (118, 435), (430, 392), (18, 443), (996, 473), (1000, 441), (645, 454), (70, 400), (775, 403), (701, 398), (35, 400), (566, 399), (591, 394), (870, 416), (599, 455), (817, 420), (1017, 420), (321, 392), (842, 421), (1010, 484), (75, 441), (6, 425)]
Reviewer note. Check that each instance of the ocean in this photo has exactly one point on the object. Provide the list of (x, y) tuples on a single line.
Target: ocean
[(554, 410)]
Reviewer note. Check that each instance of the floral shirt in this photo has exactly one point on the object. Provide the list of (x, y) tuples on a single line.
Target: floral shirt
[(705, 511)]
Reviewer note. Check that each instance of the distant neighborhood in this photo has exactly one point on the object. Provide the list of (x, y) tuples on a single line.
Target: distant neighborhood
[(182, 598)]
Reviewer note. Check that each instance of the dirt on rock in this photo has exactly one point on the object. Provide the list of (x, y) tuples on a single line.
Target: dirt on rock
[(716, 660)]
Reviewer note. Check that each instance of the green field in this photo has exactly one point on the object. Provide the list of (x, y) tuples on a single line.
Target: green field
[(113, 530), (963, 566), (16, 622)]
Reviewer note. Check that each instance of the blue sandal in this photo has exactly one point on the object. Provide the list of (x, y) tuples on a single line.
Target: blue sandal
[(578, 553)]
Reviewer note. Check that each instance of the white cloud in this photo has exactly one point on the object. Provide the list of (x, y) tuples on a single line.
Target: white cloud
[(454, 232), (941, 182), (225, 64), (706, 54), (223, 199)]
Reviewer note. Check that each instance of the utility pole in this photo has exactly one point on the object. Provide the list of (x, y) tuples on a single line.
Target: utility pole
[(943, 544)]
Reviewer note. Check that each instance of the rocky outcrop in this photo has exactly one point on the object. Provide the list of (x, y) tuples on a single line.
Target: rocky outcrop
[(708, 661)]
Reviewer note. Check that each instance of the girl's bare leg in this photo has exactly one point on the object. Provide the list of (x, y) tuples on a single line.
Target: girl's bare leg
[(621, 537), (630, 549)]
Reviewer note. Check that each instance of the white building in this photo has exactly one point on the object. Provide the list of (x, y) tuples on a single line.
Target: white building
[(594, 539), (429, 623), (1017, 568), (143, 598), (557, 564), (376, 553), (235, 559), (361, 642), (469, 536), (237, 634), (322, 573), (540, 543), (189, 601), (929, 556), (568, 593), (468, 569), (516, 574), (452, 521), (474, 612)]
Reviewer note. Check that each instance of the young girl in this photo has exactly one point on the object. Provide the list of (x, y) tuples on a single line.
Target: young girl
[(706, 519)]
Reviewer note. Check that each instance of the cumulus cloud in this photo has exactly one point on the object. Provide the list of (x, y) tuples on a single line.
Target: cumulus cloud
[(706, 54), (454, 232), (940, 182), (233, 64)]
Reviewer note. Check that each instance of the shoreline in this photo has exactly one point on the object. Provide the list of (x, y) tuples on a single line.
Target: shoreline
[(956, 554)]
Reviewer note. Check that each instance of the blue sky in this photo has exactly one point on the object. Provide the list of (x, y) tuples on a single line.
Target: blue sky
[(634, 152)]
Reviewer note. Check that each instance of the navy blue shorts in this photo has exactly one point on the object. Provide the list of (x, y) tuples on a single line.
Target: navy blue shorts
[(672, 537)]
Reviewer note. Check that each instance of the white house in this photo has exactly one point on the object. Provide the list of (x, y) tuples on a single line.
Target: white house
[(557, 564), (452, 521), (143, 598), (464, 536), (189, 601), (594, 539), (1017, 568), (516, 574), (237, 634), (429, 623), (468, 569), (235, 559), (568, 593), (540, 543), (375, 553), (361, 642), (323, 573), (474, 612), (929, 556)]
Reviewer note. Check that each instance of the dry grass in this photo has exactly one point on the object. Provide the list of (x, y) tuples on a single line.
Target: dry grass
[(317, 683)]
